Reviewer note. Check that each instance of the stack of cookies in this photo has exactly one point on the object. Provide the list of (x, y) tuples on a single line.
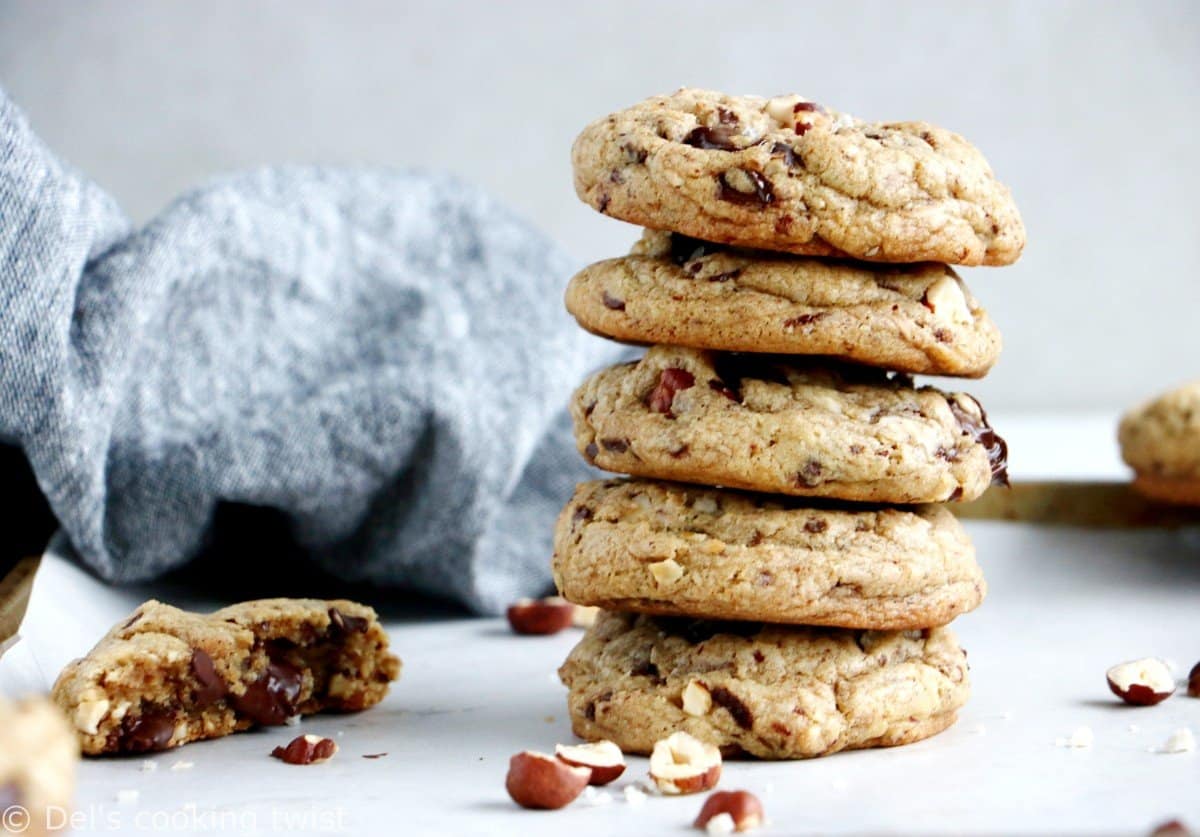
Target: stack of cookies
[(795, 273)]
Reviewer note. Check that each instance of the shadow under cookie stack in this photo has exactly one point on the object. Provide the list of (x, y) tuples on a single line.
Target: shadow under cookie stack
[(794, 275)]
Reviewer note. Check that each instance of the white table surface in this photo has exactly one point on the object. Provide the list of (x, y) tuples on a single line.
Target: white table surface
[(1063, 606)]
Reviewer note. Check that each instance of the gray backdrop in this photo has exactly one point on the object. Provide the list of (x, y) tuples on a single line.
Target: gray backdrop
[(1088, 110)]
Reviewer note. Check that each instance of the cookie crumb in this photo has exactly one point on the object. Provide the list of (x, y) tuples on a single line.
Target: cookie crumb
[(1082, 737), (633, 795), (595, 798), (183, 765), (149, 766), (292, 721), (1180, 741)]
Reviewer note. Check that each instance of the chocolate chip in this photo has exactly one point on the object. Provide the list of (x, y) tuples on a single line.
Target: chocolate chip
[(680, 451), (147, 731), (612, 302), (721, 138), (649, 670), (801, 128), (587, 411), (719, 386), (602, 204), (685, 248), (791, 157), (633, 154), (615, 445), (341, 624), (726, 117), (755, 540), (701, 630), (955, 495), (815, 525), (761, 194), (726, 276), (758, 656), (810, 474), (732, 704), (943, 335), (802, 320), (582, 513), (590, 452), (273, 697), (983, 434), (10, 795), (807, 107), (305, 749), (212, 687), (670, 382)]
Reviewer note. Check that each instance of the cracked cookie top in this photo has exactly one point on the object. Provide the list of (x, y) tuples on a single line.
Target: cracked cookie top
[(788, 174)]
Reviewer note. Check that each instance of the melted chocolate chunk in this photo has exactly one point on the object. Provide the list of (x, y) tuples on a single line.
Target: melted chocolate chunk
[(815, 525), (612, 303), (211, 687), (726, 276), (615, 445), (696, 631), (982, 433), (791, 157), (733, 368), (582, 513), (732, 704), (340, 624), (590, 452), (272, 698), (670, 382), (634, 154), (685, 248), (650, 670), (721, 138), (763, 194), (148, 731)]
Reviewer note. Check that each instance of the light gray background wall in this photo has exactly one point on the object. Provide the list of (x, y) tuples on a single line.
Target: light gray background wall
[(1090, 112)]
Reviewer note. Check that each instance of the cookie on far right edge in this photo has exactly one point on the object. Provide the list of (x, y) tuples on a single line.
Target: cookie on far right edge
[(1160, 440), (767, 691)]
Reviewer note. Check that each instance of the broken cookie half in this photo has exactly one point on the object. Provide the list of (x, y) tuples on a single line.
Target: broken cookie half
[(165, 677)]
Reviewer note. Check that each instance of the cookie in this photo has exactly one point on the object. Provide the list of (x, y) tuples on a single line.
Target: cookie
[(768, 423), (772, 692), (1160, 440), (165, 677), (38, 757), (673, 549), (786, 174), (685, 292)]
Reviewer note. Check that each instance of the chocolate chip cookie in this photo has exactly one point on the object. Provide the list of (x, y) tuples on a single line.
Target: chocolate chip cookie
[(767, 691), (788, 174), (38, 756), (686, 292), (165, 677), (1160, 440), (674, 549), (769, 423)]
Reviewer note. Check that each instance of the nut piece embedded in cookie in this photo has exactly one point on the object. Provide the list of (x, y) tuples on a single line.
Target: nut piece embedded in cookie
[(742, 807), (538, 780), (1142, 682), (540, 617), (165, 677), (306, 749), (682, 764), (603, 758)]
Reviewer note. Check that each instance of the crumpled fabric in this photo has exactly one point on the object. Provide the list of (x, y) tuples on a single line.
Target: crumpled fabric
[(382, 356)]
